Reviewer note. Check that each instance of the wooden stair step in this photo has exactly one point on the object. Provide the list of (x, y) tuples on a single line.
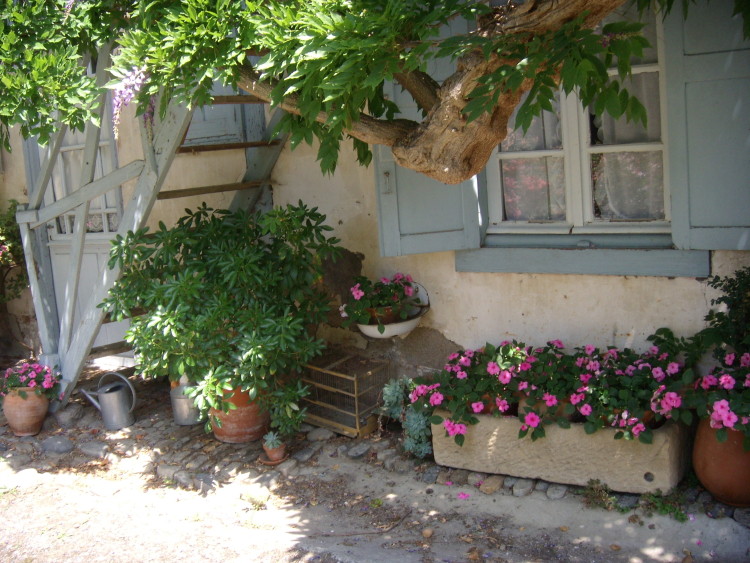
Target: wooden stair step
[(237, 99), (226, 146), (186, 192), (109, 349)]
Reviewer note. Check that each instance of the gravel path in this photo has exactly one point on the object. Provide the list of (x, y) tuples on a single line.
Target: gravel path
[(160, 492)]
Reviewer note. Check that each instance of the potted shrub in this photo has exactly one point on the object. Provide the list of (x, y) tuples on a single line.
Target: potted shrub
[(26, 390), (721, 397), (397, 300), (274, 448), (227, 299)]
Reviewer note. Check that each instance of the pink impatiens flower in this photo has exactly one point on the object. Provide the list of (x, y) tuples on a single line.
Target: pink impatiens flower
[(726, 381), (549, 399), (585, 409), (638, 428), (504, 377), (502, 404), (436, 399), (461, 374), (477, 407), (729, 359), (745, 360), (493, 368), (357, 292), (532, 419)]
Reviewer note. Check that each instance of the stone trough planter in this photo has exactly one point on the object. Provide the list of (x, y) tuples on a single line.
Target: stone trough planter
[(570, 455)]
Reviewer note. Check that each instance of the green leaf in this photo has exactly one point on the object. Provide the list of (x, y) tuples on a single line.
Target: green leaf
[(436, 419)]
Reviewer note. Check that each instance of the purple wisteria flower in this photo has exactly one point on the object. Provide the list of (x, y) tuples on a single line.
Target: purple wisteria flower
[(125, 91)]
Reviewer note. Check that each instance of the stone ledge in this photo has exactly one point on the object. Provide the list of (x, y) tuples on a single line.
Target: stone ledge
[(569, 455)]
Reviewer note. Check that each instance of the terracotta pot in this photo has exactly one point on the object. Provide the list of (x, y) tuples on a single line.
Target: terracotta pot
[(246, 423), (25, 415), (723, 468), (275, 454)]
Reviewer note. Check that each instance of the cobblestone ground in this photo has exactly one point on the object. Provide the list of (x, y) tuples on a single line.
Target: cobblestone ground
[(160, 492)]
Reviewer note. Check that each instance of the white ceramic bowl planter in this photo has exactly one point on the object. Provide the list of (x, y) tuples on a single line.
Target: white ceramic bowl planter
[(402, 328)]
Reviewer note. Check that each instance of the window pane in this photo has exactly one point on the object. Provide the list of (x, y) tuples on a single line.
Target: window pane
[(533, 189), (628, 186), (606, 130), (544, 132)]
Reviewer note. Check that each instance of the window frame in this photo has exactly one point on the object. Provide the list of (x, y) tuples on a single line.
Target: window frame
[(576, 153)]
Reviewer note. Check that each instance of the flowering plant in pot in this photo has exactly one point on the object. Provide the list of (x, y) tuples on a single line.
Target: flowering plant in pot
[(547, 385), (629, 391), (26, 390), (381, 302), (28, 378)]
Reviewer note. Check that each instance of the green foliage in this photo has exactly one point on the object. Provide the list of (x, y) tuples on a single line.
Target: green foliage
[(415, 422), (13, 276), (227, 299), (671, 504), (329, 56), (272, 440), (730, 325)]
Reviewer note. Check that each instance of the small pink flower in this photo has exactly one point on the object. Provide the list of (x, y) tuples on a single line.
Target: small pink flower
[(673, 368), (638, 428), (357, 292), (556, 343), (585, 377), (453, 356), (721, 406), (465, 361), (589, 349), (585, 409), (729, 419), (461, 374), (502, 404), (653, 350), (408, 290), (593, 365), (745, 360), (576, 398), (448, 483), (522, 385), (549, 400), (580, 361), (493, 368), (477, 407), (729, 359), (504, 377), (436, 399), (658, 374), (726, 381), (525, 366), (463, 496), (469, 353), (532, 419)]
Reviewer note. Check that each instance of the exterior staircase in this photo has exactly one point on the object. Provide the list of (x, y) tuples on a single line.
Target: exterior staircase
[(67, 338)]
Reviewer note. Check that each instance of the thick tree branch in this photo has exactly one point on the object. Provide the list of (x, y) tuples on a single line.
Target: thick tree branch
[(422, 87), (368, 129), (445, 146)]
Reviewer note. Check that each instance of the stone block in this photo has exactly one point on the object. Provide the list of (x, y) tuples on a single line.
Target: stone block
[(569, 455), (492, 484)]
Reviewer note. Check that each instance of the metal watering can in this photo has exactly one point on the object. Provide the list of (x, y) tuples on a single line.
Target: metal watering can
[(114, 403)]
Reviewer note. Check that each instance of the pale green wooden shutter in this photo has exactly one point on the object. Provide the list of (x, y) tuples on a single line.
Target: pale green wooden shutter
[(708, 85), (417, 214)]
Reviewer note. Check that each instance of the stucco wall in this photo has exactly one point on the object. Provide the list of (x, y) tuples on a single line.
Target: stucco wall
[(473, 308), (468, 309)]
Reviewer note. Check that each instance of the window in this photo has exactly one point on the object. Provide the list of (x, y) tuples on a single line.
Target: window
[(576, 173), (603, 196)]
